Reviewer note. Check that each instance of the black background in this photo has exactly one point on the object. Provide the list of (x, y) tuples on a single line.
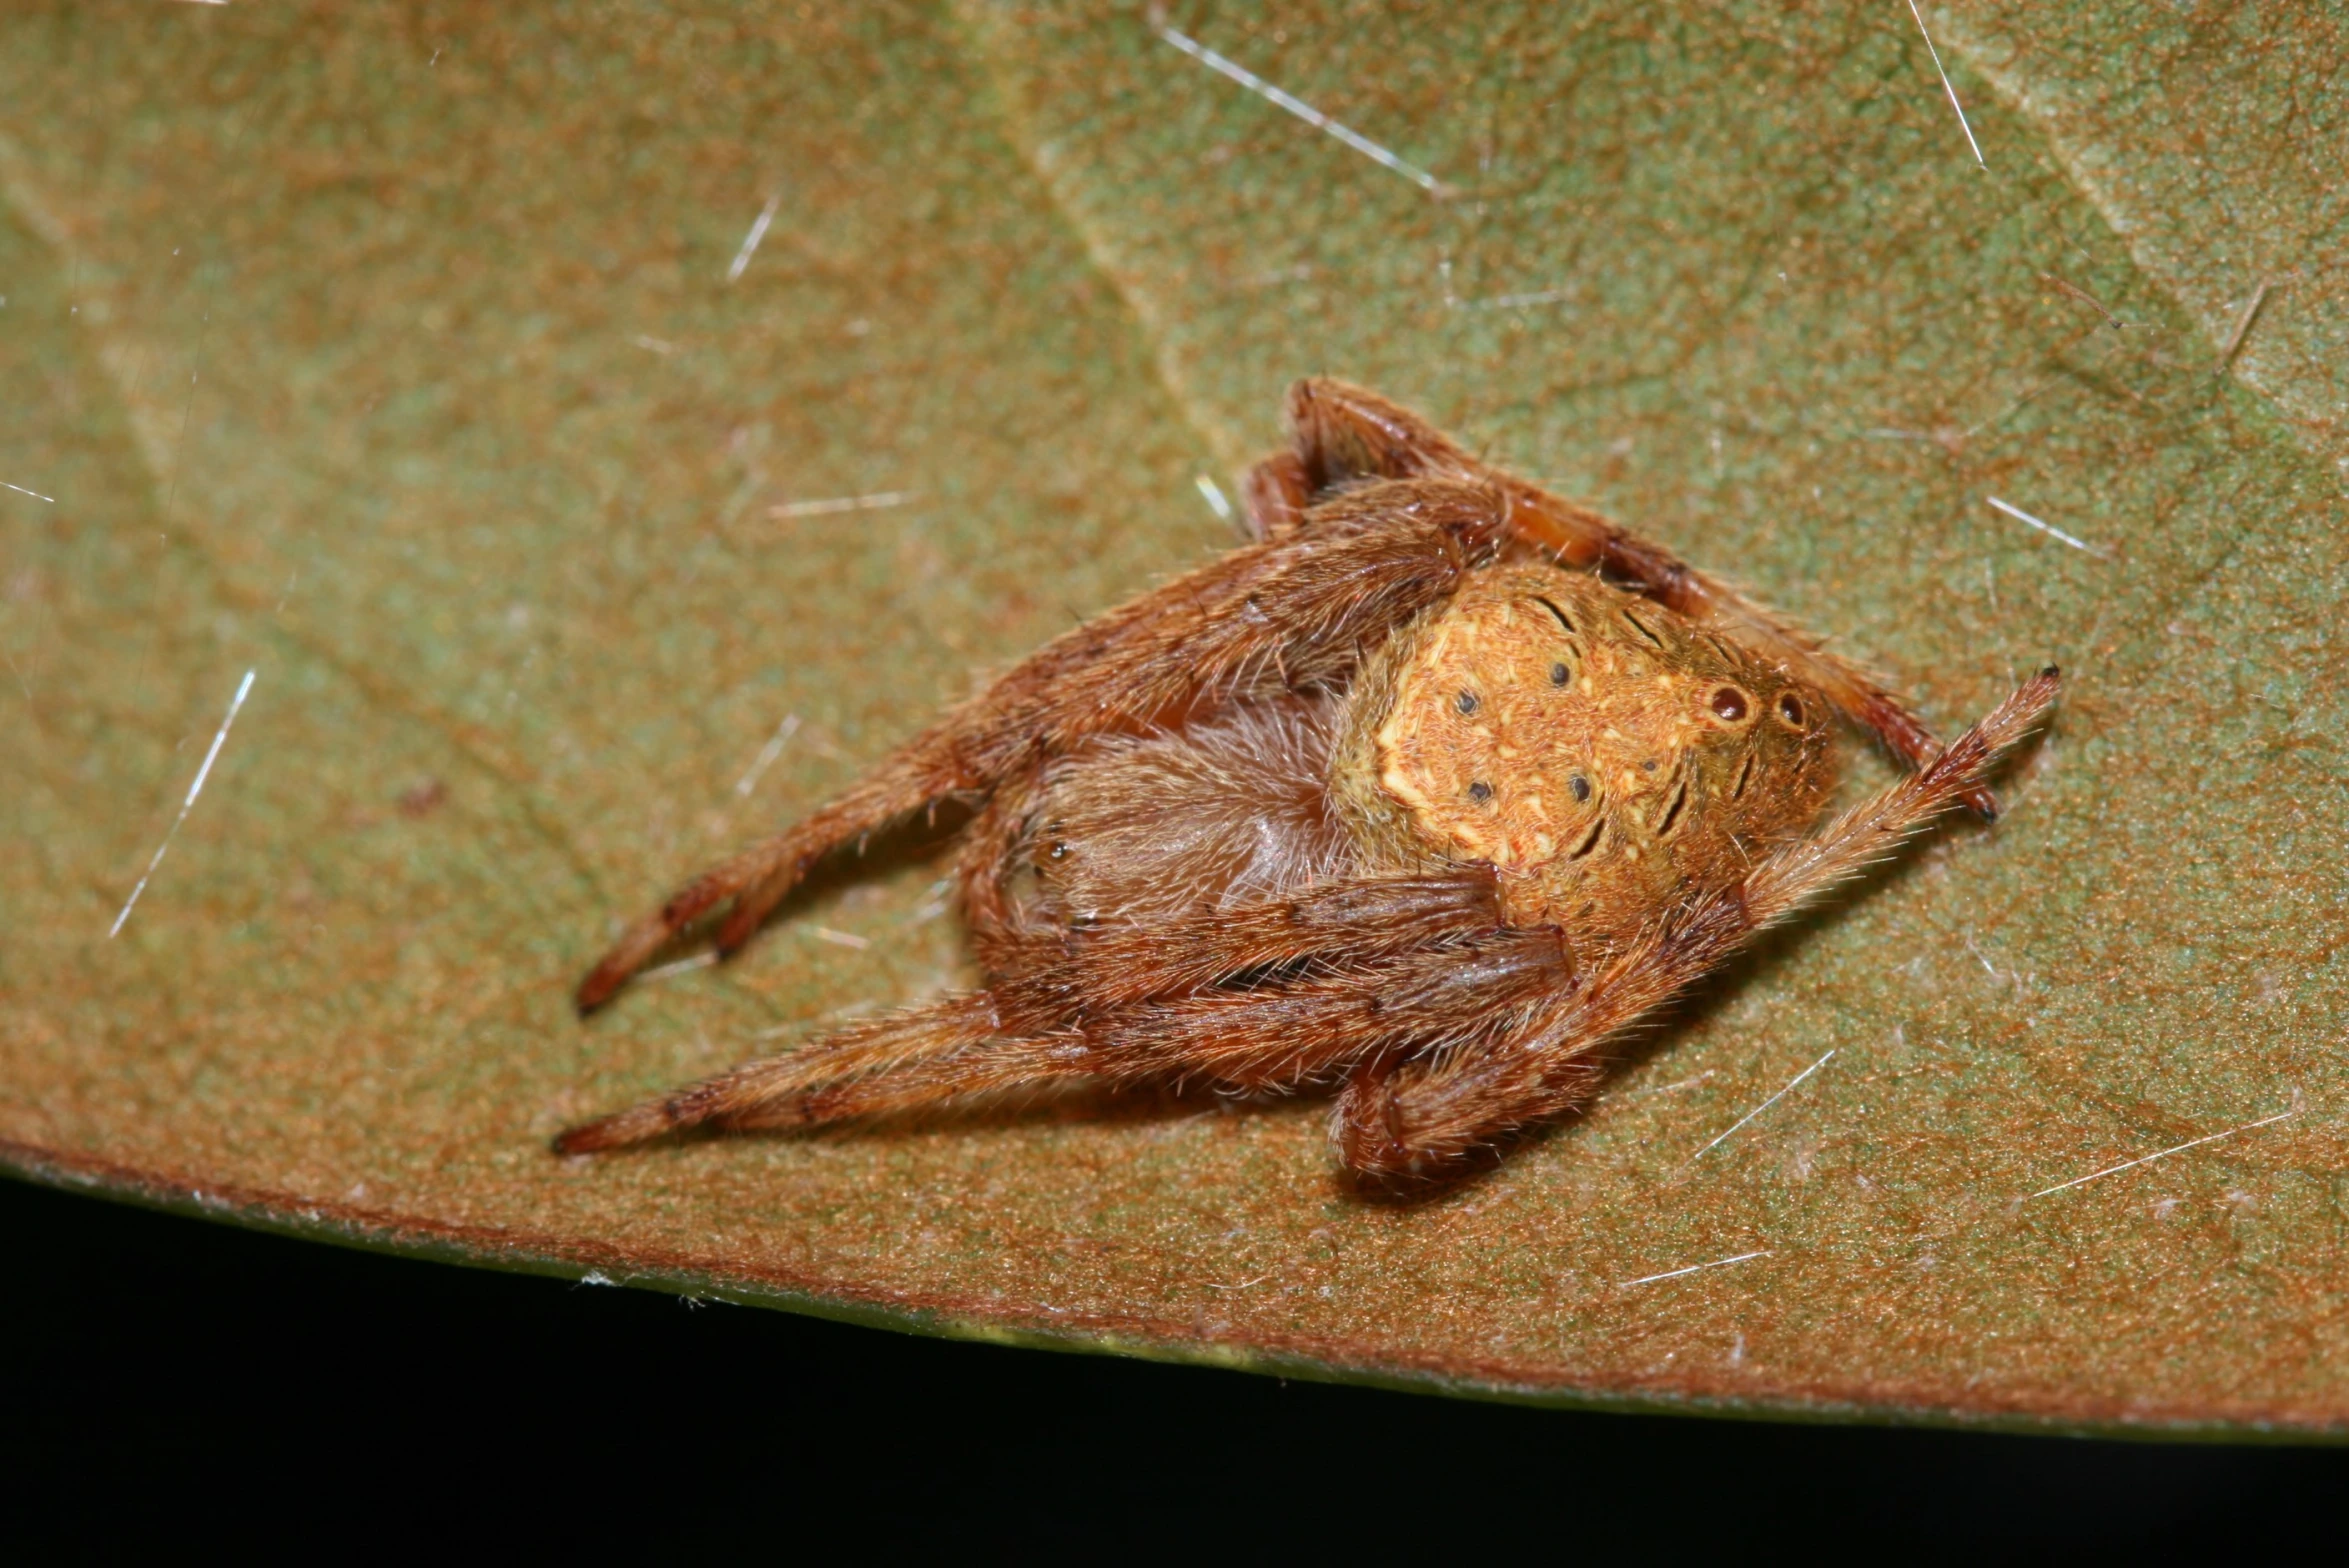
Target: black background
[(183, 1381)]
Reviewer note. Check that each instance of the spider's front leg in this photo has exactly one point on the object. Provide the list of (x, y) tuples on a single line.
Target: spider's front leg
[(1264, 996), (1342, 435), (1417, 1116), (1292, 614)]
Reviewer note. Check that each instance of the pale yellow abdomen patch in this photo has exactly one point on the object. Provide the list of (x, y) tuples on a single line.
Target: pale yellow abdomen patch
[(1591, 746)]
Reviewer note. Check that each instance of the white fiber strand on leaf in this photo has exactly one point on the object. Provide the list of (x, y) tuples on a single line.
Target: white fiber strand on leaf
[(219, 738), (1301, 109)]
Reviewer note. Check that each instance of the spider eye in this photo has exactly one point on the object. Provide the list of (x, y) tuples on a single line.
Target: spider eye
[(1790, 708), (1560, 675), (1729, 705), (1465, 702), (1480, 792), (1580, 787)]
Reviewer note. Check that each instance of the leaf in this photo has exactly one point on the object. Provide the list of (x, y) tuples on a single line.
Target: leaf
[(423, 361)]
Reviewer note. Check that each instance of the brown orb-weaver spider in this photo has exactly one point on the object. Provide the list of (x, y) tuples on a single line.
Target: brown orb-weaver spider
[(1434, 787)]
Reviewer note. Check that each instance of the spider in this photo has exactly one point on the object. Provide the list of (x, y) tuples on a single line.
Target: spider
[(1433, 787)]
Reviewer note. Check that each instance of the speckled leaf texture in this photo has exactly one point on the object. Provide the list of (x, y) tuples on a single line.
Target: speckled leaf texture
[(417, 359)]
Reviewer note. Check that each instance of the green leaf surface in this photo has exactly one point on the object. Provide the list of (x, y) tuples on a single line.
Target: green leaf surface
[(418, 360)]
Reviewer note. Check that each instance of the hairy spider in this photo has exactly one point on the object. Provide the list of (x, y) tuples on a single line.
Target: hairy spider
[(1435, 786)]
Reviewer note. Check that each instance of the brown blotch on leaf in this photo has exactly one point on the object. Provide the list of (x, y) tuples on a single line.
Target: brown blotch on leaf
[(422, 800)]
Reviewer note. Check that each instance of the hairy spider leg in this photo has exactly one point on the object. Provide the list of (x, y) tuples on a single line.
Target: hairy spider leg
[(1412, 1116), (1264, 996), (999, 939), (1342, 434), (1366, 918), (1292, 613), (782, 1091), (1275, 494)]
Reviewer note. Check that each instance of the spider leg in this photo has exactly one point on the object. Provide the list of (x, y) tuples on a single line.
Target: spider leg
[(1051, 972), (1297, 612), (1117, 965), (1341, 434), (1357, 962), (1291, 1031), (1000, 936), (895, 790), (1413, 1117), (1273, 1038), (783, 1091), (1275, 496)]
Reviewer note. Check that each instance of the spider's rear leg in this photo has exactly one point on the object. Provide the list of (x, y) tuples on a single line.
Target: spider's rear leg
[(1290, 614), (1342, 434), (1274, 496), (1418, 1117), (1578, 534)]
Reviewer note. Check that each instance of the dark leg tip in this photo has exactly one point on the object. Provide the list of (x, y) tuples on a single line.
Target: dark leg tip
[(1981, 803), (2051, 673), (609, 1132)]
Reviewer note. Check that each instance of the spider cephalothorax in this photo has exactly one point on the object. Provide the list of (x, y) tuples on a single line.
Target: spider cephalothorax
[(1431, 789)]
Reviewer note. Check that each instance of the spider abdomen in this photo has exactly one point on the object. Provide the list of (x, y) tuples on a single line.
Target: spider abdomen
[(1591, 746)]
